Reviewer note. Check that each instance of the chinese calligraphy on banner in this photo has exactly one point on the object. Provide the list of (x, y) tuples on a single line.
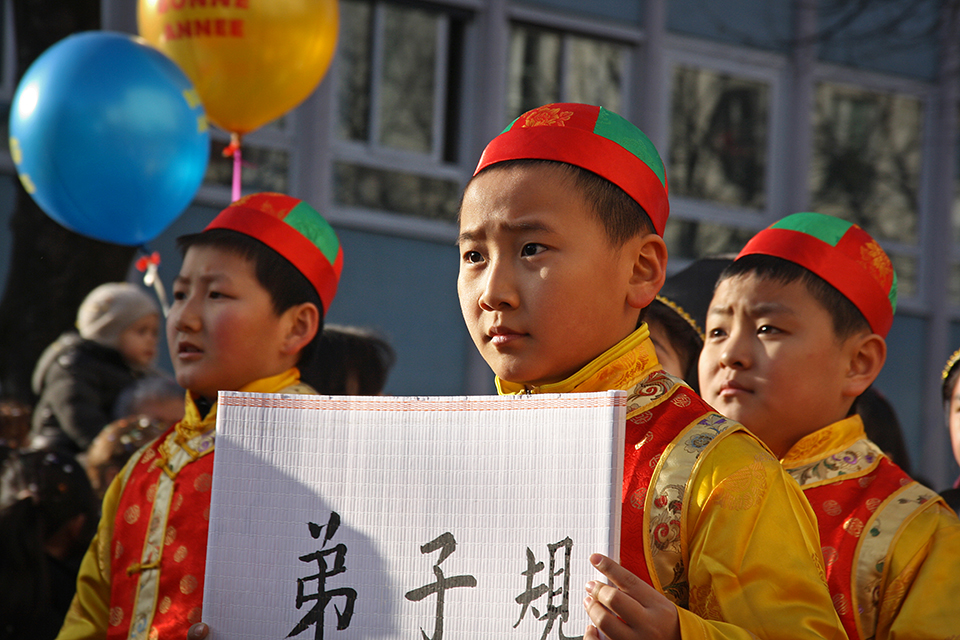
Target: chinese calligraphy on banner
[(409, 517)]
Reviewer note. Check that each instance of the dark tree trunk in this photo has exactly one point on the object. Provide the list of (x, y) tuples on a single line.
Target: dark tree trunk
[(51, 269)]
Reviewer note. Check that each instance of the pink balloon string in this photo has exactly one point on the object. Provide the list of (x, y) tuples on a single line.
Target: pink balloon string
[(233, 149), (235, 195)]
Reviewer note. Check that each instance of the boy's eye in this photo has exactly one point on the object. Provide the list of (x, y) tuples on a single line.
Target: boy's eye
[(472, 257), (179, 295), (767, 329), (531, 249), (715, 333)]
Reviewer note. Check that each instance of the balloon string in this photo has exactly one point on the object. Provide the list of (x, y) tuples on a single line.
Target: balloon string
[(233, 149)]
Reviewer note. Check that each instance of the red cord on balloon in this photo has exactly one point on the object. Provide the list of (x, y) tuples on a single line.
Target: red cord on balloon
[(233, 149)]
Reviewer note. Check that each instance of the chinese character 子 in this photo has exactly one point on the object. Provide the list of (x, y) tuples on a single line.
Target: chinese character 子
[(556, 589), (325, 569), (447, 544)]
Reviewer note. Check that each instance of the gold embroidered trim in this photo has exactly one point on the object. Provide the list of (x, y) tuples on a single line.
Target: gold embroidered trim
[(876, 543)]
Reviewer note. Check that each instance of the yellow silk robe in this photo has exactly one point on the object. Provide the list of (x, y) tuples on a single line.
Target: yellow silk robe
[(92, 611), (915, 592), (748, 539)]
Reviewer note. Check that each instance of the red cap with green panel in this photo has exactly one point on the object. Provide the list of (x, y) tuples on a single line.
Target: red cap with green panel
[(591, 138), (841, 253), (295, 230)]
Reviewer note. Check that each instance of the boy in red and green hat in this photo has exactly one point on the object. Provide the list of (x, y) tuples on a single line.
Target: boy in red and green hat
[(795, 333), (248, 307), (561, 251)]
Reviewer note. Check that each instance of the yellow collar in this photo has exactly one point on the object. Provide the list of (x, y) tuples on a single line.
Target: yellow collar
[(825, 442), (192, 424), (619, 367)]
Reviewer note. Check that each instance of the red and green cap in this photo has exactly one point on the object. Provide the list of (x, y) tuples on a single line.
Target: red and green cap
[(841, 253), (295, 230), (591, 138)]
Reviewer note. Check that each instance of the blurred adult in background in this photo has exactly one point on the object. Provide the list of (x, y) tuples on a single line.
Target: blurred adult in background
[(79, 377), (48, 515), (350, 361)]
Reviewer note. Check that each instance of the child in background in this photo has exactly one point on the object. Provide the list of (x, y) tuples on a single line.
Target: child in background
[(795, 333), (561, 250), (350, 361), (48, 514), (951, 406), (146, 409), (676, 316), (79, 377), (248, 306)]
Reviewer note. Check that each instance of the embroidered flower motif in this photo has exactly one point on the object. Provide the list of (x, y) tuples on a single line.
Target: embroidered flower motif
[(832, 508), (638, 497), (866, 481), (830, 555), (116, 616), (188, 584), (877, 264), (853, 526), (743, 489), (181, 554), (644, 417), (840, 604), (117, 550), (170, 536), (873, 504), (165, 604), (646, 437), (681, 400), (132, 514), (203, 482), (547, 116), (697, 442)]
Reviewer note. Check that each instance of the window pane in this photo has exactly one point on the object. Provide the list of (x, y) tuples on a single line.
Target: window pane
[(262, 169), (409, 69), (595, 72), (718, 146), (396, 192), (689, 239), (866, 159), (953, 285), (353, 58), (533, 69)]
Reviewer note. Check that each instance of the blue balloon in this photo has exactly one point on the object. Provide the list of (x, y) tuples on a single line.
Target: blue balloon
[(109, 137)]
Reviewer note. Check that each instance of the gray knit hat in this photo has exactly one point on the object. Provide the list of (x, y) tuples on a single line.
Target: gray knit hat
[(111, 308)]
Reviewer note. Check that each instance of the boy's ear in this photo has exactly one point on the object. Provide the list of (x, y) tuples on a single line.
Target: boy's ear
[(868, 352), (303, 323), (649, 255)]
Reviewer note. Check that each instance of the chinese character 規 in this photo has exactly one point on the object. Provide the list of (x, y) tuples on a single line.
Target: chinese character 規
[(558, 595)]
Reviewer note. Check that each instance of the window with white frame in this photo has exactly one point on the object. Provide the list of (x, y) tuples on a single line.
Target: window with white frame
[(546, 65), (865, 167), (398, 98)]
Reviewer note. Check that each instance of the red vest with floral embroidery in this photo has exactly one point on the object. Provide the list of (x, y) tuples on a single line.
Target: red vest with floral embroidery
[(159, 545), (661, 412), (858, 519)]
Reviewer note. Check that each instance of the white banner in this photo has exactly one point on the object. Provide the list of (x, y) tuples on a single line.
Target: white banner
[(419, 518)]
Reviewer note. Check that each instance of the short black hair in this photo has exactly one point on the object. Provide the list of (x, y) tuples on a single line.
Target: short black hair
[(348, 353), (683, 338), (285, 283), (847, 319), (622, 217)]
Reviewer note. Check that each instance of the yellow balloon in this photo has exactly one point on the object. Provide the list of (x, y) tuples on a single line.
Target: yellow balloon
[(251, 61)]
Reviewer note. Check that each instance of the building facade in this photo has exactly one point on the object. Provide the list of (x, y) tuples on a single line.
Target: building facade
[(760, 108)]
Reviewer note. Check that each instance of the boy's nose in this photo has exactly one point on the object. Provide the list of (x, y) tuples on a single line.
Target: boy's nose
[(498, 291), (184, 318), (735, 353)]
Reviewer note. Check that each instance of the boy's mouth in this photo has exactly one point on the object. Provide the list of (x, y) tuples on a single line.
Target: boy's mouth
[(500, 335), (185, 349), (732, 388)]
